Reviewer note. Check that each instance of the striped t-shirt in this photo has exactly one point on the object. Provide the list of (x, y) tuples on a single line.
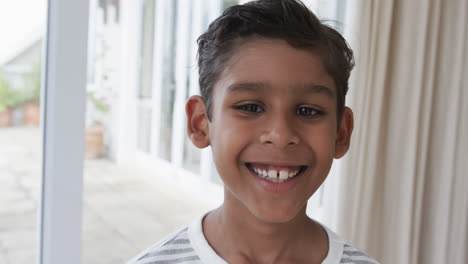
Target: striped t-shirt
[(188, 245)]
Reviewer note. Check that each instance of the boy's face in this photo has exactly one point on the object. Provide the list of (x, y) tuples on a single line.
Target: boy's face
[(273, 128)]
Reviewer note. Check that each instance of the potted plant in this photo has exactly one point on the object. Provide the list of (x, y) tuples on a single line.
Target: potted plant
[(94, 135)]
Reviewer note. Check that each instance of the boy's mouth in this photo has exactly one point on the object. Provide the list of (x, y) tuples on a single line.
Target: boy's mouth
[(277, 174)]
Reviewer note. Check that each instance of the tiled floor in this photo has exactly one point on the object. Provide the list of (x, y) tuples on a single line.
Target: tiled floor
[(124, 209)]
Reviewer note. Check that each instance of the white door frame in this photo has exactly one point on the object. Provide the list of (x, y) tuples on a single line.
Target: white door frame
[(63, 121)]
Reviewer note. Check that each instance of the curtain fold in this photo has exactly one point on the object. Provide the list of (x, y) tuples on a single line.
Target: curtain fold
[(403, 184)]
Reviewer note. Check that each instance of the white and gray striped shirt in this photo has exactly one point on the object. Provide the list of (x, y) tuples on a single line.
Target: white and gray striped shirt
[(188, 245)]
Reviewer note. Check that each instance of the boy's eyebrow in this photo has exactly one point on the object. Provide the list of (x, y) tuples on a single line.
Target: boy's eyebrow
[(256, 86), (246, 87), (315, 88)]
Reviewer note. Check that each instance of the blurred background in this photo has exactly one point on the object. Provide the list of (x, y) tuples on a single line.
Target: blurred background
[(400, 194)]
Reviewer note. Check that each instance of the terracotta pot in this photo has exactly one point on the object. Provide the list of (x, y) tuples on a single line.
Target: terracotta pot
[(6, 118), (31, 114), (94, 142)]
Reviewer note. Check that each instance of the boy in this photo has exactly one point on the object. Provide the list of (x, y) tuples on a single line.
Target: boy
[(273, 81)]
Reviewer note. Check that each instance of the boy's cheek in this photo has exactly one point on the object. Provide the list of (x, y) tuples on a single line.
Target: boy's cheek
[(226, 135)]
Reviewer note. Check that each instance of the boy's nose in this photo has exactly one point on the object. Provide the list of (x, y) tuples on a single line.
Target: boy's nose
[(279, 132)]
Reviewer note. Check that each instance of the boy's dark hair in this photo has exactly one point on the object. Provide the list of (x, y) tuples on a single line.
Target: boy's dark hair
[(289, 20)]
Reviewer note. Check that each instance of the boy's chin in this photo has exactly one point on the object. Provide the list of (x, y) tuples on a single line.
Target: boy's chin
[(270, 216)]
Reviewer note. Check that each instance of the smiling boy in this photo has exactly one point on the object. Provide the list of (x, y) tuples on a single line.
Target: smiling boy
[(273, 81)]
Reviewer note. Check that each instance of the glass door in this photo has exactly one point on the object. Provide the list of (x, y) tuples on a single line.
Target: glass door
[(22, 26), (136, 186)]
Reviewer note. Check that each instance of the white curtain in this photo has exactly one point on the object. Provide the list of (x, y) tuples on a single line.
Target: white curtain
[(403, 185)]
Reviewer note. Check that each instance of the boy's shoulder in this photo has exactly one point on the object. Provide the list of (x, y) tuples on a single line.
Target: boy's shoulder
[(188, 245), (341, 251), (352, 254), (174, 248)]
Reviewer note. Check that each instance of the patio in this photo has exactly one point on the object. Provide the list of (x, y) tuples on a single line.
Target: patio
[(124, 209)]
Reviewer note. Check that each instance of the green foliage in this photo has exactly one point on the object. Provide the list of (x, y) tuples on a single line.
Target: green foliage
[(99, 103), (8, 98), (12, 98), (32, 90), (16, 98)]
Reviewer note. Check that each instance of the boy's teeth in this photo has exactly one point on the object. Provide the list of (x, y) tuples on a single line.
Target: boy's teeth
[(275, 175), (283, 175), (272, 174)]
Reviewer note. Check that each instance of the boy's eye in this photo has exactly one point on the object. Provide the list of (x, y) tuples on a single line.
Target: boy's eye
[(253, 108), (307, 111)]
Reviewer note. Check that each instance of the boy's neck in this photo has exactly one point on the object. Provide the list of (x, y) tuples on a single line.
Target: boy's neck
[(240, 237)]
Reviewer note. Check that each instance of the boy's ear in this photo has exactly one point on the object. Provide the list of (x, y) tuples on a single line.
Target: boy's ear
[(343, 136), (197, 122)]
